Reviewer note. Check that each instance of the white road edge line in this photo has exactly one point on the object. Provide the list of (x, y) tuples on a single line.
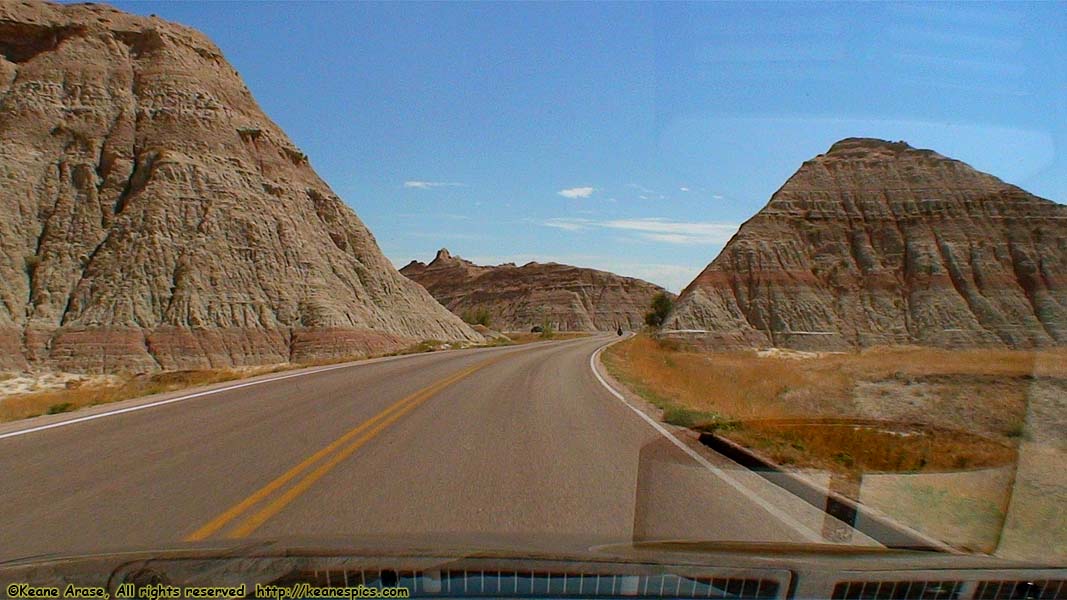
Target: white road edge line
[(163, 402), (802, 529), (130, 409)]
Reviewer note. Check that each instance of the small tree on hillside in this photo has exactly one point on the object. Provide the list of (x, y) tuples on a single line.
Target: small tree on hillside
[(548, 328), (661, 307), (478, 316)]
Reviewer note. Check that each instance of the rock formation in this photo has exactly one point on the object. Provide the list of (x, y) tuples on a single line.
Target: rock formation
[(151, 216), (518, 298), (880, 243)]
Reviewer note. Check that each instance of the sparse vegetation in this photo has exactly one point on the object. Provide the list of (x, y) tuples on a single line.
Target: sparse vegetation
[(670, 345), (1016, 430), (65, 400), (62, 407), (32, 262), (757, 401), (478, 316), (548, 329), (661, 307), (423, 346), (851, 447), (687, 417), (416, 348), (80, 395), (22, 406)]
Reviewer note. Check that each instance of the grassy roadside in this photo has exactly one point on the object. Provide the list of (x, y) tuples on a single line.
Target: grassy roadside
[(78, 395), (22, 406), (125, 387), (803, 412), (967, 446)]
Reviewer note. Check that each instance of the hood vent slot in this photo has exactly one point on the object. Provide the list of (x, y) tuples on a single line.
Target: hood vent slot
[(897, 590), (478, 583), (1022, 590)]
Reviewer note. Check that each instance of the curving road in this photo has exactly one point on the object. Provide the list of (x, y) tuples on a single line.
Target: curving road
[(524, 444)]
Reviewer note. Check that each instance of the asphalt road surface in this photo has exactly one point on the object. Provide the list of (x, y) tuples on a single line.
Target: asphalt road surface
[(520, 443)]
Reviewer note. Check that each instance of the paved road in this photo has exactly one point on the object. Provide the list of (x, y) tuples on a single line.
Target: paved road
[(517, 443)]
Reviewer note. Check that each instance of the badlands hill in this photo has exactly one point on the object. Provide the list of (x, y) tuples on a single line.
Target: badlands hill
[(152, 216), (517, 298), (877, 242)]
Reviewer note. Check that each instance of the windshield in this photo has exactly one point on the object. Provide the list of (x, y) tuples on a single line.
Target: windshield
[(535, 278)]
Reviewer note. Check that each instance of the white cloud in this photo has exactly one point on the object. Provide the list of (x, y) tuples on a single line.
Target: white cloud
[(716, 196), (644, 193), (671, 238), (569, 224), (677, 232), (656, 229), (577, 192), (426, 185)]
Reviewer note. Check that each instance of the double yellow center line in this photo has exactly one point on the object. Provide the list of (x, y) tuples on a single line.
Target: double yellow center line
[(330, 457)]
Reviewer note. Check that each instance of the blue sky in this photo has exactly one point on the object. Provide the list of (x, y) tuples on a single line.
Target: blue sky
[(631, 137)]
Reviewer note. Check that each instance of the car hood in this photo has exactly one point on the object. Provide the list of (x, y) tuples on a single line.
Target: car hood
[(268, 559)]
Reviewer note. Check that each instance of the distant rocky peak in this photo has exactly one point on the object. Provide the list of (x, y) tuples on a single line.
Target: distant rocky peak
[(446, 260), (861, 143), (876, 149), (516, 298), (443, 256)]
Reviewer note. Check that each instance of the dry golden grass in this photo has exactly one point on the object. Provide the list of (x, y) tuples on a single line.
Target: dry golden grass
[(64, 400), (733, 385), (855, 447), (33, 404), (751, 400), (417, 348)]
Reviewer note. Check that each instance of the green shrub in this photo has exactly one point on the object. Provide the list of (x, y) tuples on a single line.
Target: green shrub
[(661, 307), (62, 407), (1016, 430), (424, 346), (478, 316), (687, 417), (32, 261), (548, 329)]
